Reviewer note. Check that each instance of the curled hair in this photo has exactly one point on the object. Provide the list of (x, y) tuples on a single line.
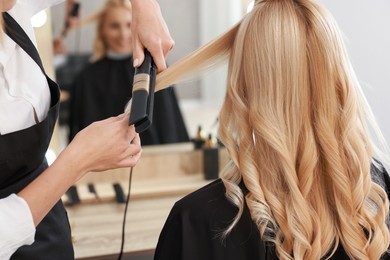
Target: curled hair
[(294, 123)]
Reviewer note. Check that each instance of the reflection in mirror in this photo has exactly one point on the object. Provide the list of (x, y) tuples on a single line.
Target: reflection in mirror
[(191, 24), (105, 85)]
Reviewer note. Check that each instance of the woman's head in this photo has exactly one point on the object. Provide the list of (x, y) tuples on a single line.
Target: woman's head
[(113, 29), (288, 68), (293, 121)]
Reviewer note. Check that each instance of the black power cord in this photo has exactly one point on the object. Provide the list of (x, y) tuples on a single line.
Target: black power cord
[(125, 214)]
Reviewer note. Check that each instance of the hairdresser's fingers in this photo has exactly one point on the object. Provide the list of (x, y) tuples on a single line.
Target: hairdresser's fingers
[(159, 59), (156, 52), (133, 155), (124, 118), (133, 160), (168, 47), (107, 120), (131, 134), (130, 129), (138, 52), (160, 51), (136, 140)]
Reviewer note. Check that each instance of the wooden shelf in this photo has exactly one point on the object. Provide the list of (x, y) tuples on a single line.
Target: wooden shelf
[(96, 227), (146, 189)]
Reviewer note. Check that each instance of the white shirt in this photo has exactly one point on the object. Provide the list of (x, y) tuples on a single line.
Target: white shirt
[(16, 225), (23, 90)]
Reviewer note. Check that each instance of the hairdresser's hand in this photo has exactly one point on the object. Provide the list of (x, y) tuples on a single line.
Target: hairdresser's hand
[(104, 145), (150, 31)]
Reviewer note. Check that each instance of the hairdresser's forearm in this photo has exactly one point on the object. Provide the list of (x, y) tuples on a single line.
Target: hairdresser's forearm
[(45, 191)]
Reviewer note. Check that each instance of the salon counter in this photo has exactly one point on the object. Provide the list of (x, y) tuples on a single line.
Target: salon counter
[(97, 226)]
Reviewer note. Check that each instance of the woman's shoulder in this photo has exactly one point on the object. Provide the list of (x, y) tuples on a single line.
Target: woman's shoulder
[(209, 209), (205, 207), (203, 198), (203, 216)]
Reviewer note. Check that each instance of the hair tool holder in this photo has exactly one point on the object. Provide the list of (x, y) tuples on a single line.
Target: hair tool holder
[(141, 113)]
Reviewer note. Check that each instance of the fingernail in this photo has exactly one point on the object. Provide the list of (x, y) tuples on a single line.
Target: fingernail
[(135, 63)]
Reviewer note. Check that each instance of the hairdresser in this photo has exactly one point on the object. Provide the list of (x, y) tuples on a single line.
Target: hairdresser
[(33, 221)]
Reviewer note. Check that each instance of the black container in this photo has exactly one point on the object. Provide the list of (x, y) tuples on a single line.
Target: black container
[(199, 139), (211, 163)]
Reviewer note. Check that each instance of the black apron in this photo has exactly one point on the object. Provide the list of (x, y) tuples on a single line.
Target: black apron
[(22, 159)]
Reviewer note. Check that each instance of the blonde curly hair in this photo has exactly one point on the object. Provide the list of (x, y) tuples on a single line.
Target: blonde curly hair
[(294, 122)]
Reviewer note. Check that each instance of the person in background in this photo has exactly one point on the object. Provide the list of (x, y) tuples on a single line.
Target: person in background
[(103, 88), (33, 221), (302, 182)]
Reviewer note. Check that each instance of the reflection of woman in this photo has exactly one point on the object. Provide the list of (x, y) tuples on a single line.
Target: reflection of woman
[(104, 87), (302, 182), (33, 221)]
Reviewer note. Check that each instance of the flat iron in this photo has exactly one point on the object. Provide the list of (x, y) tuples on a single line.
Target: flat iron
[(141, 113)]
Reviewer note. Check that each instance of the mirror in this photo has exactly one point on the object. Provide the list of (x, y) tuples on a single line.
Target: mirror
[(191, 23), (194, 22)]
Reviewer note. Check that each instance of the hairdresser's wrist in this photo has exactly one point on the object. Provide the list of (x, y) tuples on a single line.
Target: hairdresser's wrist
[(71, 158)]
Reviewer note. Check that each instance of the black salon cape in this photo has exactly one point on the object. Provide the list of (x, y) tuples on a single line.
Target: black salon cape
[(193, 227), (195, 223), (103, 88)]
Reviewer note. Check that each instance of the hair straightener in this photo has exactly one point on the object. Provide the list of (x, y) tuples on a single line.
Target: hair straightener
[(141, 113)]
